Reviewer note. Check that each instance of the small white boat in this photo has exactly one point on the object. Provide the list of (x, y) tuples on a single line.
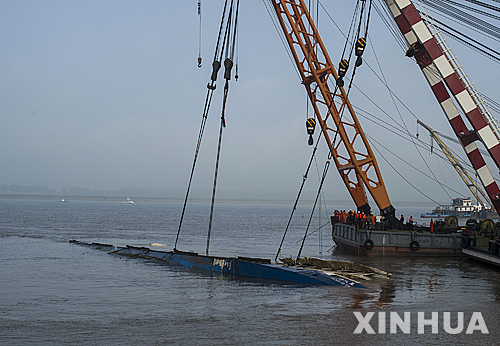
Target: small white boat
[(128, 201), (63, 200)]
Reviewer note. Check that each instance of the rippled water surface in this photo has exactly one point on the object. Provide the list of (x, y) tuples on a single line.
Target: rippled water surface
[(54, 292)]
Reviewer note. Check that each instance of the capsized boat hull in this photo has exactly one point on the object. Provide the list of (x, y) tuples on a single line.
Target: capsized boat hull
[(232, 266), (255, 268), (394, 242)]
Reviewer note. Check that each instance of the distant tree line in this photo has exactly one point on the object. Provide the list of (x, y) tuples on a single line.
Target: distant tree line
[(42, 190), (23, 189)]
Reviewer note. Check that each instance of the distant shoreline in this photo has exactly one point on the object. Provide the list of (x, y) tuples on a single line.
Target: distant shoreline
[(145, 199), (139, 199)]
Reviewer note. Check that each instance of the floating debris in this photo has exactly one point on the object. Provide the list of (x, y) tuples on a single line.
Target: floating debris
[(157, 244), (347, 269)]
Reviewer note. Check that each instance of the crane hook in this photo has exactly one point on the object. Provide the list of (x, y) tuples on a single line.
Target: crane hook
[(310, 124), (199, 35), (360, 49), (343, 66)]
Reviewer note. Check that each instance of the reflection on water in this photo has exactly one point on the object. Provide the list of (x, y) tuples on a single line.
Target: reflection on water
[(379, 295)]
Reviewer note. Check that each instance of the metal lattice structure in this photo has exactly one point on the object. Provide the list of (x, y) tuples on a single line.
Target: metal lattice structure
[(453, 89), (345, 138), (467, 179)]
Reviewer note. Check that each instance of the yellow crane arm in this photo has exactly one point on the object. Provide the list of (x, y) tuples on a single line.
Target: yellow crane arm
[(471, 184)]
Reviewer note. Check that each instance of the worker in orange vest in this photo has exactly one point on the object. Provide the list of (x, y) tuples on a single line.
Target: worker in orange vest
[(365, 224), (373, 221)]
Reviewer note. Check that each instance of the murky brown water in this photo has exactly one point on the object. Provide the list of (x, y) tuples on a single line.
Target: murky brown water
[(53, 292)]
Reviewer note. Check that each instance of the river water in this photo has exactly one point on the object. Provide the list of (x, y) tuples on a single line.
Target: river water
[(54, 292)]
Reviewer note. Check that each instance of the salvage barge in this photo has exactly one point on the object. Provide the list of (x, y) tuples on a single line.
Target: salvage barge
[(445, 238), (377, 239), (375, 242), (305, 271)]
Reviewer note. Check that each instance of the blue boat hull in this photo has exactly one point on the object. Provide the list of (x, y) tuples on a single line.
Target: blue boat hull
[(261, 269), (254, 268)]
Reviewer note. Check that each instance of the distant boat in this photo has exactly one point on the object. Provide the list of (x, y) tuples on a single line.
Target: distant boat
[(63, 200), (461, 207), (128, 201)]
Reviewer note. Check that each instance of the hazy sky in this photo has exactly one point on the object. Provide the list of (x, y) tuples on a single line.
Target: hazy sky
[(107, 94)]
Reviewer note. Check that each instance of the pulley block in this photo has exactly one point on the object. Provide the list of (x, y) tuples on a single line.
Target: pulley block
[(213, 77), (310, 125), (343, 66), (414, 49), (228, 65), (215, 70), (360, 46), (359, 50)]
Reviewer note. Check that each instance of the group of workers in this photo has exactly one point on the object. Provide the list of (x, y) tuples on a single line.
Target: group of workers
[(362, 220), (409, 224), (359, 219)]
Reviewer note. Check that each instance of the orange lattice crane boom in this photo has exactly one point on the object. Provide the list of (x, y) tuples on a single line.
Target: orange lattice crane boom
[(344, 136)]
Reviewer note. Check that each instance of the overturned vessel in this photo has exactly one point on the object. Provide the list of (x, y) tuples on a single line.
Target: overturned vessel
[(303, 271)]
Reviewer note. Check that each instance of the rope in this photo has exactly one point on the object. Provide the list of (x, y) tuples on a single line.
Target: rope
[(208, 100), (464, 17), (228, 64), (472, 43), (327, 163), (325, 171), (214, 186), (391, 25), (199, 35), (304, 178), (281, 35), (320, 227), (406, 180), (405, 126)]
